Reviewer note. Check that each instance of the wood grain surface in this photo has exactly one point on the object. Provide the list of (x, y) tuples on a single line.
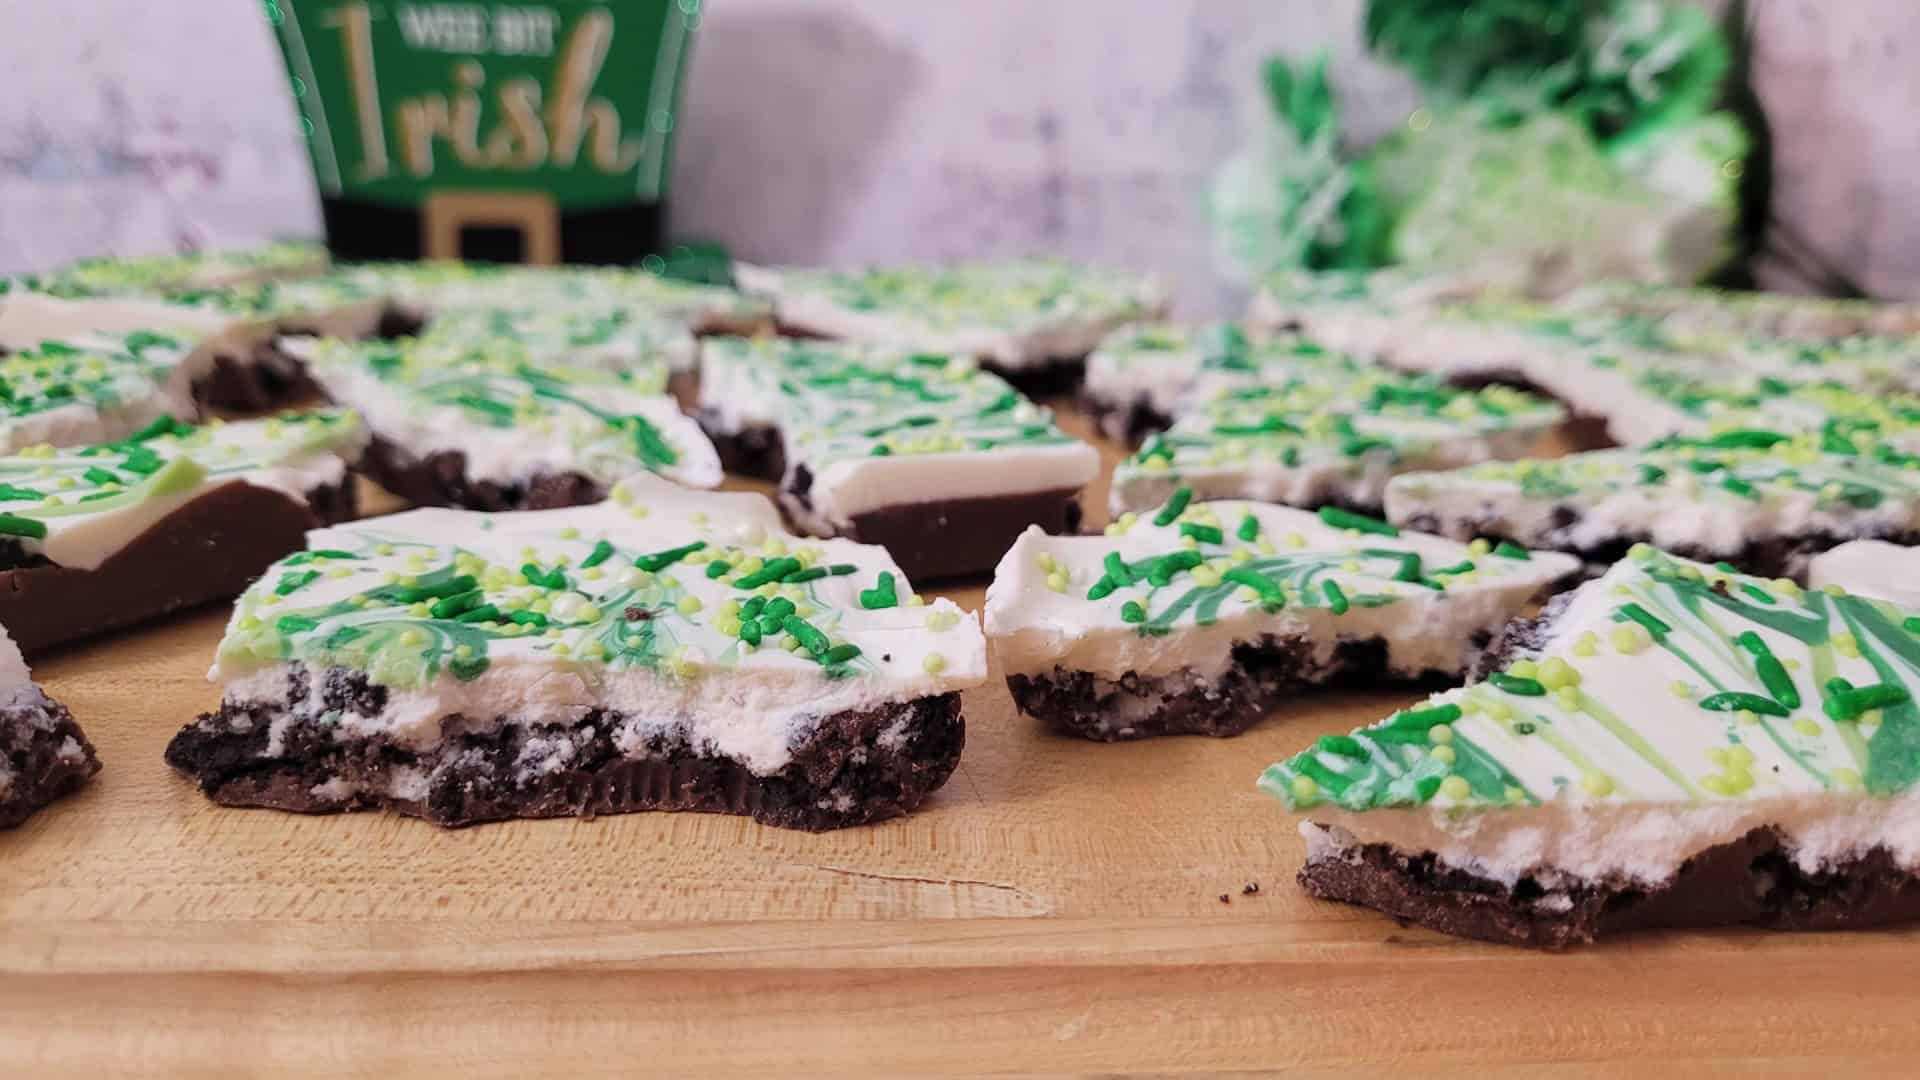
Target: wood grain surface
[(1059, 907)]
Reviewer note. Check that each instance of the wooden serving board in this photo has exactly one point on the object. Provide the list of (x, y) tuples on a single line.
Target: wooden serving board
[(1058, 907)]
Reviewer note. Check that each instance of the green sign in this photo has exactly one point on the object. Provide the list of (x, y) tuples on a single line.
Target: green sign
[(568, 100)]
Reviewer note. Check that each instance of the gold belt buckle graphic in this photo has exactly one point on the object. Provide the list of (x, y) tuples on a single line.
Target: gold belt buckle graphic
[(534, 214)]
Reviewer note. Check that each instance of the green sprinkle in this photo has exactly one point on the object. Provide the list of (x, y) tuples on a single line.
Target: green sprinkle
[(291, 583), (1460, 567), (1249, 529), (801, 577), (469, 669), (881, 595), (1757, 593), (1166, 566), (1337, 518), (290, 625), (1739, 487), (451, 587), (483, 613), (1518, 685), (1342, 745), (545, 579), (750, 631), (1336, 599), (717, 568), (1205, 534), (660, 560), (1734, 702), (842, 569), (773, 570), (1748, 439), (1652, 474), (1422, 719), (840, 654), (488, 406), (1175, 506), (1508, 550), (806, 634), (1912, 624), (1117, 569), (1849, 704), (15, 525), (528, 618), (451, 606), (1426, 788), (1101, 589), (97, 475), (778, 609), (1409, 567), (1645, 618), (601, 552), (1132, 612), (10, 493), (1256, 581)]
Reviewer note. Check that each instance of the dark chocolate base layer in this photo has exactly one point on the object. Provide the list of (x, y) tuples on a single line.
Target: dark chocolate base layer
[(440, 479), (1751, 881), (931, 541), (1129, 423), (1263, 675), (1768, 556), (949, 538), (46, 752), (1050, 378), (855, 767), (210, 549), (265, 381)]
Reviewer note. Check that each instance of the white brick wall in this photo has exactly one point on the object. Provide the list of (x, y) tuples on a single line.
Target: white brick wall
[(844, 131)]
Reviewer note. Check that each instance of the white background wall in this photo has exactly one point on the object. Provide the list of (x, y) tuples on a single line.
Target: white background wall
[(844, 131)]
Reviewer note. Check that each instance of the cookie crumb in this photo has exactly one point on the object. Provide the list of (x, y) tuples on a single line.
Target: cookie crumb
[(1252, 889), (1225, 899)]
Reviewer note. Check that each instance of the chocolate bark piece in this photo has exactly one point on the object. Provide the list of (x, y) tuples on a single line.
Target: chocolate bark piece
[(43, 754), (1673, 744), (1202, 617), (664, 649), (440, 479), (855, 768), (1753, 881), (208, 550), (928, 455), (1762, 501)]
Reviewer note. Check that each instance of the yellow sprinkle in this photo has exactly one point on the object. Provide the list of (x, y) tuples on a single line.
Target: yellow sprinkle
[(1847, 778), (1557, 674), (421, 610), (1477, 548), (1440, 733), (688, 605), (463, 652), (1295, 540), (1834, 590), (934, 664), (1057, 581), (1716, 784), (1516, 794), (569, 533), (1499, 710), (1568, 697), (1304, 789), (698, 517), (1586, 644), (1456, 788), (1442, 754), (916, 600), (1739, 757), (1629, 639), (1598, 785), (413, 637), (941, 619), (1525, 669), (1806, 726), (637, 511), (383, 549), (1189, 543), (1205, 576), (1846, 645), (1680, 688)]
